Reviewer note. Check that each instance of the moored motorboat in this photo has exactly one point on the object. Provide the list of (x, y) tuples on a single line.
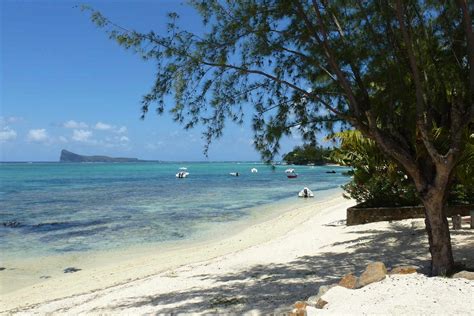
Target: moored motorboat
[(235, 174), (182, 174), (291, 175), (306, 193), (253, 170)]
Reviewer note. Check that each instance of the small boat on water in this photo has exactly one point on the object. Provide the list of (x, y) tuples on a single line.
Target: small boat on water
[(235, 174), (290, 173), (183, 168), (306, 193), (253, 170), (182, 174)]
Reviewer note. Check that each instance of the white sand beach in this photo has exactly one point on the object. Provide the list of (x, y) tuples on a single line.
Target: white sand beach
[(263, 268)]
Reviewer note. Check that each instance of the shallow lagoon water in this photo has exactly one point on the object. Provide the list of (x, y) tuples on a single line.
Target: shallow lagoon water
[(63, 208)]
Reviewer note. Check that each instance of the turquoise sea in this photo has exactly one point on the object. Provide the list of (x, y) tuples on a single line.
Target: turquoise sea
[(56, 208)]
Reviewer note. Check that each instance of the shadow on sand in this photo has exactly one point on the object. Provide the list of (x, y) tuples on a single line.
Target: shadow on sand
[(264, 289)]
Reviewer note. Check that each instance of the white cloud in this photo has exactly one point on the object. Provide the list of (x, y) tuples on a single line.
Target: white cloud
[(63, 139), (14, 119), (103, 126), (6, 134), (74, 124), (81, 135), (4, 121), (121, 130), (37, 135), (124, 139)]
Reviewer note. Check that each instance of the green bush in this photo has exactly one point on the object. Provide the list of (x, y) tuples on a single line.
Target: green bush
[(377, 181)]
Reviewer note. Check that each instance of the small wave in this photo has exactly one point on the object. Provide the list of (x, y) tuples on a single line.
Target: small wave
[(77, 233)]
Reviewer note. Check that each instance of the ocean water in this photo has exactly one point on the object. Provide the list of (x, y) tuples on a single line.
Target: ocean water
[(63, 208)]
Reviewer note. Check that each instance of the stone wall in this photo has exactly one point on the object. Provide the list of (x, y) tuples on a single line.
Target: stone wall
[(357, 215)]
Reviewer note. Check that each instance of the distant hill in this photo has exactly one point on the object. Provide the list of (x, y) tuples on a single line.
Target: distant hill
[(67, 156)]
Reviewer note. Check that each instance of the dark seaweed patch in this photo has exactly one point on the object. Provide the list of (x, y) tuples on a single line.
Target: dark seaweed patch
[(12, 224), (53, 226)]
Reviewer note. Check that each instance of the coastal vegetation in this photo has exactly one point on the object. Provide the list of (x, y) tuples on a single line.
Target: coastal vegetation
[(399, 72), (308, 154), (378, 181)]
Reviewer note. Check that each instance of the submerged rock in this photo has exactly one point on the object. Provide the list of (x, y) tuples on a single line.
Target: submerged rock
[(374, 272)]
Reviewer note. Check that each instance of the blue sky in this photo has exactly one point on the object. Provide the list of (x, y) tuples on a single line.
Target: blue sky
[(64, 84)]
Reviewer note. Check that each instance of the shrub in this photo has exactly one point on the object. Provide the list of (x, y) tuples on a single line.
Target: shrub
[(377, 181)]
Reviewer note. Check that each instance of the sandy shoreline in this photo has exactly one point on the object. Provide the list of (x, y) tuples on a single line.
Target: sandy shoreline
[(264, 268), (24, 272), (98, 272)]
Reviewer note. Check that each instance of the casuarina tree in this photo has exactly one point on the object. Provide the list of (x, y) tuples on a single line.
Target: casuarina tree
[(400, 72)]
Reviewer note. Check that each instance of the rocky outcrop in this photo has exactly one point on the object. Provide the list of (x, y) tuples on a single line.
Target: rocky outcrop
[(374, 272), (464, 274), (348, 281), (299, 309), (67, 156), (404, 270)]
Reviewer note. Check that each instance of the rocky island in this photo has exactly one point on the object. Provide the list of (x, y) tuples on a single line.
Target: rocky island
[(67, 156)]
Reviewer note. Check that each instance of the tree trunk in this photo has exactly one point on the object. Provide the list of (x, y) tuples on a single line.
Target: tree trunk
[(442, 262)]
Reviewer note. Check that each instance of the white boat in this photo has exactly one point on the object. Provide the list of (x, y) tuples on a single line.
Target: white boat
[(253, 170), (306, 193), (182, 174), (292, 175), (290, 170), (235, 174), (183, 168)]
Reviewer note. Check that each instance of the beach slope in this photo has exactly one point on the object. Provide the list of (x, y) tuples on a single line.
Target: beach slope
[(263, 268)]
